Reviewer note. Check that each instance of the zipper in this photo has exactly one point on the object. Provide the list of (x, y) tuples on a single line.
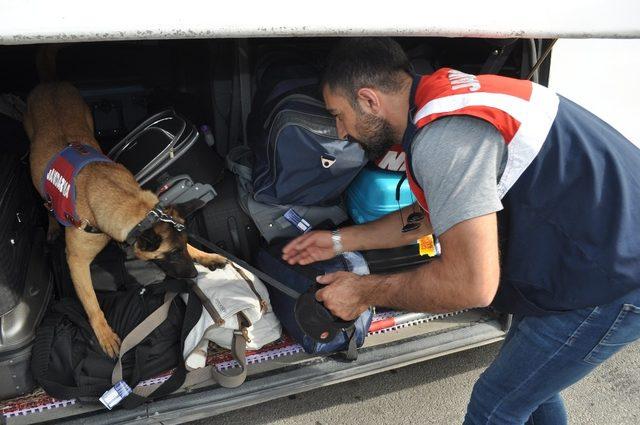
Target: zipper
[(302, 98)]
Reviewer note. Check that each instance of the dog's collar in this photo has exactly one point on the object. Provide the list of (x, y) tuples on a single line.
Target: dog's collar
[(152, 217)]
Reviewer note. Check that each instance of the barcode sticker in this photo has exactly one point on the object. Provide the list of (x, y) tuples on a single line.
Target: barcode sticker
[(115, 394), (299, 222)]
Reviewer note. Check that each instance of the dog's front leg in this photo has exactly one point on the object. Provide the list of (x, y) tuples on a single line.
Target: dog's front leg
[(82, 248), (207, 259)]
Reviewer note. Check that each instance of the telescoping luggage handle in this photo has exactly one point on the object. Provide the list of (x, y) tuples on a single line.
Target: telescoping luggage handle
[(185, 130)]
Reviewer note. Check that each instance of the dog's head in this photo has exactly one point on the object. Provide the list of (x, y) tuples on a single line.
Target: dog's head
[(166, 246)]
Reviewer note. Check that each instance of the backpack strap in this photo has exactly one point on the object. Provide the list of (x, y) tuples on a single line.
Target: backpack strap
[(140, 332), (231, 379)]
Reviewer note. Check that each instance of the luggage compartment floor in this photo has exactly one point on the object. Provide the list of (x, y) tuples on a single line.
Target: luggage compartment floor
[(383, 322)]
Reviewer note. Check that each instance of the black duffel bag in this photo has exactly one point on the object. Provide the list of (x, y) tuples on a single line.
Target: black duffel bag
[(68, 362)]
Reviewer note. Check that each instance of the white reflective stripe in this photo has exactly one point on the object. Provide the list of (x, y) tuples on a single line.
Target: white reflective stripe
[(514, 106), (530, 137), (535, 116)]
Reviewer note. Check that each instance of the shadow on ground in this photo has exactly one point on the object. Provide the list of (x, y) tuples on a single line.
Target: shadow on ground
[(361, 392)]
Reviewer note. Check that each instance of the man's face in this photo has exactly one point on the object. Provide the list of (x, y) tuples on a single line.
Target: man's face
[(373, 133)]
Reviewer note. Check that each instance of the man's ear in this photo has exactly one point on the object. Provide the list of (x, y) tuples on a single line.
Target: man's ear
[(185, 209), (369, 100), (148, 240)]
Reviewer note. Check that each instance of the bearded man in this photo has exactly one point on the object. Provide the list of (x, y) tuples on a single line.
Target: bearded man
[(534, 200)]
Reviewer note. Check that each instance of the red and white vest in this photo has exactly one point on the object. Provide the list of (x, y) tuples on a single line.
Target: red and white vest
[(570, 190), (58, 186), (522, 111)]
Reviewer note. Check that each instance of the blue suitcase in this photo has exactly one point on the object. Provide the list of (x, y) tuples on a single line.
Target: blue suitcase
[(372, 194)]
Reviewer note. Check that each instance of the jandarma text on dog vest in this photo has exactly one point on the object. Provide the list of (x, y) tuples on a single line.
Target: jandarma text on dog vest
[(59, 182)]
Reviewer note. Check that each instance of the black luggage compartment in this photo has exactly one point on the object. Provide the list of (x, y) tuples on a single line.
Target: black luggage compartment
[(201, 97)]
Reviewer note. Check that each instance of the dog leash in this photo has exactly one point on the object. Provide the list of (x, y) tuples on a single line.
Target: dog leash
[(235, 260)]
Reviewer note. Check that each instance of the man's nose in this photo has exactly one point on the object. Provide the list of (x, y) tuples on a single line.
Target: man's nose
[(342, 131)]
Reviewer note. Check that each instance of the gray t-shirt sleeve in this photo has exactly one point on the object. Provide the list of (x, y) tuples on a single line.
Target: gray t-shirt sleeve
[(457, 161)]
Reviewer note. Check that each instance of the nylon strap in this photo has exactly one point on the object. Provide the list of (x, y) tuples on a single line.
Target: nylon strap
[(259, 273), (231, 379), (234, 378), (206, 303), (140, 332), (263, 303), (496, 59)]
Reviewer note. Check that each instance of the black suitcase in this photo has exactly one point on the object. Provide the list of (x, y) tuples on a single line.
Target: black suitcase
[(223, 222), (116, 110), (25, 278), (164, 146)]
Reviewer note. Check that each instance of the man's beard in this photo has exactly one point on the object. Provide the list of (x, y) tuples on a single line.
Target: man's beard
[(376, 135)]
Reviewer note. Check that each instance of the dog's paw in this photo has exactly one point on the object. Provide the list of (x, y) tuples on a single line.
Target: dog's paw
[(213, 261), (108, 339)]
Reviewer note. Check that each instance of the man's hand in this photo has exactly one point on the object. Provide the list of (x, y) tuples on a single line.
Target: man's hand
[(346, 294), (309, 248)]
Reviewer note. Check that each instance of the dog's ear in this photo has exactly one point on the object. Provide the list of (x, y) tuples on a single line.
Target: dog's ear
[(149, 240), (185, 209)]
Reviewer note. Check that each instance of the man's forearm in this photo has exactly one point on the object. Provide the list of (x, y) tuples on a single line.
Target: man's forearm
[(383, 233), (433, 288)]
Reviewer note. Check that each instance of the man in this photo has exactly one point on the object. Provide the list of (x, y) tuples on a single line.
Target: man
[(500, 166)]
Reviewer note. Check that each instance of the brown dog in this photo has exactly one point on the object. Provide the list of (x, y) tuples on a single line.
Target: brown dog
[(107, 198)]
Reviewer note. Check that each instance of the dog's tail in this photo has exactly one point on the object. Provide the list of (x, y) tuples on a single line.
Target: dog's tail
[(46, 62)]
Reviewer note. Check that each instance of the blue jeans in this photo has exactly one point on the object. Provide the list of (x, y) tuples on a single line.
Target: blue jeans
[(541, 356)]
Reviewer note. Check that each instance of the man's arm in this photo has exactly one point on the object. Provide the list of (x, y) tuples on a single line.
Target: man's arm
[(458, 160), (382, 233), (465, 276)]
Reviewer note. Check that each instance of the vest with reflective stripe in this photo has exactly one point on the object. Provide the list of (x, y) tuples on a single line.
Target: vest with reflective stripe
[(568, 189), (521, 111)]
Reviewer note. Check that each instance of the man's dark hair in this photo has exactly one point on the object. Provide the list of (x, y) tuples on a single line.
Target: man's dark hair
[(365, 62)]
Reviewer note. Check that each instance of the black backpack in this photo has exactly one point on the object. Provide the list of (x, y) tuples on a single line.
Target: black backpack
[(68, 362)]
